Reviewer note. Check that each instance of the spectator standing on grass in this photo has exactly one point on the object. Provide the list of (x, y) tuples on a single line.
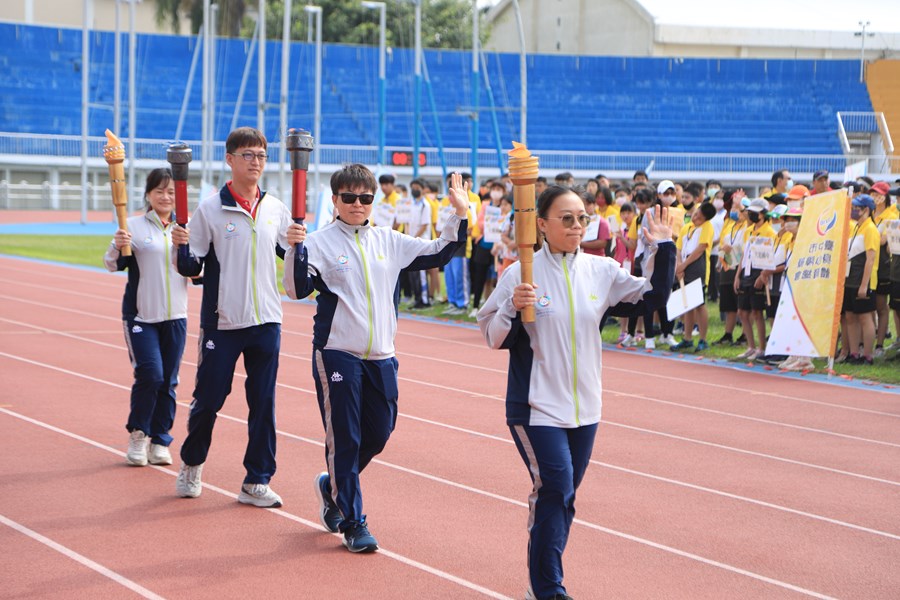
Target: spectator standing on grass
[(644, 201), (553, 400), (731, 250), (694, 247), (354, 267), (884, 213), (600, 245), (750, 284), (154, 317), (482, 259), (419, 227), (858, 314), (784, 240)]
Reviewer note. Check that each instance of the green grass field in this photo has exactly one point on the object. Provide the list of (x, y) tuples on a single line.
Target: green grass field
[(88, 250)]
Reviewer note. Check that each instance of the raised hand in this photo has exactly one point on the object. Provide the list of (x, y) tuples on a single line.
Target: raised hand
[(459, 194), (657, 228)]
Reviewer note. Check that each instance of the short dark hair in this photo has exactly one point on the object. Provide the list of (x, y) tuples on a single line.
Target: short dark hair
[(386, 178), (626, 207), (156, 178), (542, 179), (776, 176), (639, 174), (644, 195), (710, 183), (353, 176), (606, 193), (694, 189), (245, 137), (707, 210), (564, 176)]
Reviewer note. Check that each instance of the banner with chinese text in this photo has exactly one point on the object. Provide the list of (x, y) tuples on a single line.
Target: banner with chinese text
[(808, 316)]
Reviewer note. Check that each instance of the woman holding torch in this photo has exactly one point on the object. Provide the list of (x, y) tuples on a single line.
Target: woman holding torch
[(553, 399), (154, 315)]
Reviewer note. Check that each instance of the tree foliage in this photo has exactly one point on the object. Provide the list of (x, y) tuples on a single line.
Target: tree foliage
[(445, 23)]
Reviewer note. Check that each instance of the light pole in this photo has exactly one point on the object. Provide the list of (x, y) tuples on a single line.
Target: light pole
[(261, 69), (317, 116), (382, 67), (417, 94), (523, 73), (862, 52), (476, 91), (87, 17), (285, 75)]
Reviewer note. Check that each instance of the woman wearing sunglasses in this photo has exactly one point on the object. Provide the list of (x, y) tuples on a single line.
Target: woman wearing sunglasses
[(553, 399), (354, 267)]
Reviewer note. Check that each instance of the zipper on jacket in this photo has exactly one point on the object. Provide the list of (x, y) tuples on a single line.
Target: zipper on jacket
[(168, 242), (574, 352), (368, 294), (253, 269)]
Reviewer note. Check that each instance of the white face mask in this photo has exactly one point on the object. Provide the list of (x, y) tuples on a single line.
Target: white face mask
[(621, 200), (719, 204), (789, 185), (496, 194), (776, 227), (711, 192), (667, 200), (791, 226)]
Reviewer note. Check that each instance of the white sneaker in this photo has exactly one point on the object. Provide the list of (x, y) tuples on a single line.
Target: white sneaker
[(747, 353), (650, 343), (473, 313), (787, 364), (259, 494), (668, 340), (879, 352), (188, 484), (137, 448), (159, 455), (628, 341)]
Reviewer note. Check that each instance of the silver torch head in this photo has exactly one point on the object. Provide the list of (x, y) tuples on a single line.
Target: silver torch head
[(179, 156), (299, 144)]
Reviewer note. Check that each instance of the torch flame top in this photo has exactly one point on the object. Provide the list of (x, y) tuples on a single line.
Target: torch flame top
[(114, 149), (519, 151)]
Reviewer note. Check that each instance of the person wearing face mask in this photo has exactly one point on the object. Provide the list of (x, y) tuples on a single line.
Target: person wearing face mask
[(781, 182), (784, 240), (691, 197), (718, 223), (154, 315), (883, 214), (750, 284), (665, 193), (791, 223), (858, 314), (644, 201), (731, 248), (482, 259)]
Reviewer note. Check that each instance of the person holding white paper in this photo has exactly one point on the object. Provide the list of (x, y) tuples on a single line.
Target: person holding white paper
[(694, 248), (750, 284)]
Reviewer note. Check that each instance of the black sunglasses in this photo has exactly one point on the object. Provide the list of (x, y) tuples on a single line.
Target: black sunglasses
[(568, 221), (350, 198)]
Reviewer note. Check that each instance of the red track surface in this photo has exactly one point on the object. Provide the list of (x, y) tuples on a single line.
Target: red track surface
[(706, 482)]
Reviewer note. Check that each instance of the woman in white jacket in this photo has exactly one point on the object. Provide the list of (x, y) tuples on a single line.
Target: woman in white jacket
[(154, 315), (553, 397)]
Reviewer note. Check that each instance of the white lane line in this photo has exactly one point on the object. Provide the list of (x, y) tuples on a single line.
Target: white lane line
[(79, 558), (754, 419), (602, 423), (501, 371), (280, 512), (676, 482), (447, 482)]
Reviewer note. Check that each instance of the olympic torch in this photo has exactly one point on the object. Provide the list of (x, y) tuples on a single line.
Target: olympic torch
[(114, 153), (179, 156), (299, 144), (523, 170)]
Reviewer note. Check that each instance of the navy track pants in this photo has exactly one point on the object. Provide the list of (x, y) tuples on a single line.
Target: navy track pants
[(358, 402), (219, 352), (155, 350), (556, 459)]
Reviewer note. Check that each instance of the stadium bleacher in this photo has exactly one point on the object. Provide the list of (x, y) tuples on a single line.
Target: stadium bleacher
[(722, 106)]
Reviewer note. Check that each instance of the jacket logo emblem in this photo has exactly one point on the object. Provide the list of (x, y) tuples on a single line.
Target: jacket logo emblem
[(137, 329), (148, 240), (593, 297), (544, 301), (380, 257), (342, 259), (229, 227), (337, 377), (210, 345)]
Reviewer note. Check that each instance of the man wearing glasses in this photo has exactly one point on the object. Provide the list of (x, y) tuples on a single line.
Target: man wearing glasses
[(354, 267), (234, 237)]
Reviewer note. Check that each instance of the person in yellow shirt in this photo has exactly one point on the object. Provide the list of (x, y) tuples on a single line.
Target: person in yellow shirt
[(731, 249), (456, 280), (858, 314), (749, 284), (884, 213), (391, 195), (692, 262)]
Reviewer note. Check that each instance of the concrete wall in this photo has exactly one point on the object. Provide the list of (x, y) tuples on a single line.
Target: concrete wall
[(587, 27), (69, 13)]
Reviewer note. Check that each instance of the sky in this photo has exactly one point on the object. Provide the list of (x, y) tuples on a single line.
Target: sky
[(820, 15)]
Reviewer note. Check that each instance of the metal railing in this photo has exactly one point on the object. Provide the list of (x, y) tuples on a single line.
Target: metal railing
[(49, 152)]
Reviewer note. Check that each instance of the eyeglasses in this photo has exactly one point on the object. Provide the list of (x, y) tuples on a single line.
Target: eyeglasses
[(568, 221), (249, 156), (350, 198)]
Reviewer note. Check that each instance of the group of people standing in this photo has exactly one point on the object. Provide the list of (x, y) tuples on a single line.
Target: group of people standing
[(234, 239)]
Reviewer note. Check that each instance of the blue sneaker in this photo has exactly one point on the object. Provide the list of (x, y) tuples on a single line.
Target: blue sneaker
[(702, 345), (682, 345), (329, 513), (358, 539)]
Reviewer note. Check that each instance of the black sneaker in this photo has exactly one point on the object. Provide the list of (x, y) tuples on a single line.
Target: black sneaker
[(741, 340), (358, 539), (329, 513), (725, 339)]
